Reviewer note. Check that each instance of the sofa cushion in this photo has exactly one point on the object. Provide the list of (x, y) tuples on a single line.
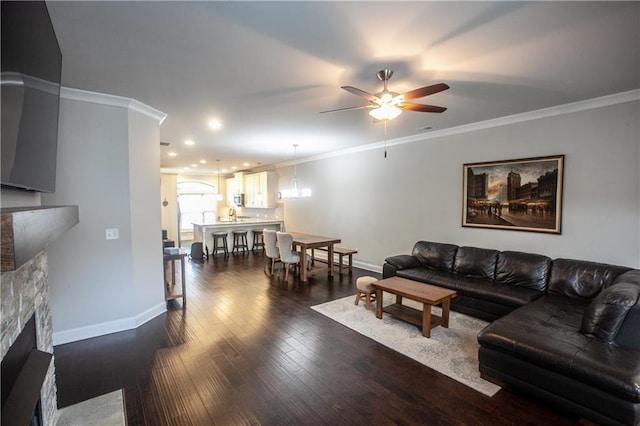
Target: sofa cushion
[(581, 279), (523, 269), (478, 288), (604, 315), (546, 333), (476, 262), (438, 256)]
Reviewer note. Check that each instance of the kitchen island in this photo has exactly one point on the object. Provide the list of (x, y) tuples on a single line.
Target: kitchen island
[(202, 231)]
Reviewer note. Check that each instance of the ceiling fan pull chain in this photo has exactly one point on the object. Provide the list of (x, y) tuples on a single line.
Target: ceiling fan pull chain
[(385, 138)]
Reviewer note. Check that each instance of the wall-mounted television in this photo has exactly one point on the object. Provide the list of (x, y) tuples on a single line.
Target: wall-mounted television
[(31, 67)]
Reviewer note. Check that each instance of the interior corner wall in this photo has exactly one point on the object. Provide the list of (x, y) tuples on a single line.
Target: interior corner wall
[(382, 206), (145, 205), (93, 281)]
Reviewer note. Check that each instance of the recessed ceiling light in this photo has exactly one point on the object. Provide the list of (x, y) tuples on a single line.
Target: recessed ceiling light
[(234, 168), (172, 154), (186, 168), (224, 170), (189, 142), (246, 164), (215, 124), (194, 165), (203, 161)]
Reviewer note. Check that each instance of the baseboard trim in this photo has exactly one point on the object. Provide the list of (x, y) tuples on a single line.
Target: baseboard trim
[(101, 329), (322, 256), (367, 266)]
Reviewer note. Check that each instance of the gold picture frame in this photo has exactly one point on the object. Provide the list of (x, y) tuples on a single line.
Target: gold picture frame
[(519, 195)]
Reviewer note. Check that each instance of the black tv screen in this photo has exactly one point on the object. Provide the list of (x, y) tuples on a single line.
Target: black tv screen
[(31, 67)]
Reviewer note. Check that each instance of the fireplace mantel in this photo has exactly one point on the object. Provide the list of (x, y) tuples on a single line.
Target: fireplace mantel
[(26, 231)]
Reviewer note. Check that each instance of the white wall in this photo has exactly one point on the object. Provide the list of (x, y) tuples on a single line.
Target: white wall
[(108, 165), (383, 206), (145, 205)]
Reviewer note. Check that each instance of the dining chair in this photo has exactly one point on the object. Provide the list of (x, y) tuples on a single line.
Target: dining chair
[(272, 254), (287, 256)]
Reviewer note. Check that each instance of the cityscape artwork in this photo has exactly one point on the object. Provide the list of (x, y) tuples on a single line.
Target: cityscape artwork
[(520, 195)]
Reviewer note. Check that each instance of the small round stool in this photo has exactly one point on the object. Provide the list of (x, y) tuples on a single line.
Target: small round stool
[(258, 240), (240, 241), (220, 243), (365, 291)]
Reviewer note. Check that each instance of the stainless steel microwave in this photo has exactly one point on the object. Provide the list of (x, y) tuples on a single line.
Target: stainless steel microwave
[(238, 200)]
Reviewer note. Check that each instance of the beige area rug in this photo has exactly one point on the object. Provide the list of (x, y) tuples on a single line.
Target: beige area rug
[(103, 410), (451, 351)]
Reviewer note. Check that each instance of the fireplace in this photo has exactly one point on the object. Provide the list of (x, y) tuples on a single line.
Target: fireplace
[(25, 326), (25, 320), (23, 372)]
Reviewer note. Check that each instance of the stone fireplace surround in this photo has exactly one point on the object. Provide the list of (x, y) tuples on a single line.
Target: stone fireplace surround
[(25, 234)]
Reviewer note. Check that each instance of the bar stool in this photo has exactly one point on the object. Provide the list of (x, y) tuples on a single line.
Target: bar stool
[(240, 241), (220, 243), (258, 240)]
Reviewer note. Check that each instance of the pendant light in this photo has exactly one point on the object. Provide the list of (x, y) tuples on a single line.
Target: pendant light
[(295, 190), (218, 194)]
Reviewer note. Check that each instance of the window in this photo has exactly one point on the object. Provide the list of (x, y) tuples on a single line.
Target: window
[(198, 203)]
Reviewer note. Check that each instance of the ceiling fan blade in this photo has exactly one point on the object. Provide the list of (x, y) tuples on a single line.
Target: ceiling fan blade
[(346, 109), (368, 96), (424, 91), (422, 108)]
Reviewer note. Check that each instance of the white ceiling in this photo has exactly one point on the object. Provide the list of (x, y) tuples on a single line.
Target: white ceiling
[(266, 69)]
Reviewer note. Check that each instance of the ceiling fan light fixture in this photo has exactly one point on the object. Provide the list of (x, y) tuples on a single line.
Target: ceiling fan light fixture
[(386, 98), (385, 112)]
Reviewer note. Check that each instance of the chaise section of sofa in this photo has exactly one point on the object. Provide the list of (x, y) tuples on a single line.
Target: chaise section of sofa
[(568, 347)]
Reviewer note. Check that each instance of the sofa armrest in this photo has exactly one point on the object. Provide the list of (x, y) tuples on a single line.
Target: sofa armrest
[(403, 261), (632, 276), (398, 262), (628, 336)]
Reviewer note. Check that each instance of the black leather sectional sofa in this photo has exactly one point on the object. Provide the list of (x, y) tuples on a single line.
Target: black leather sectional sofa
[(566, 331)]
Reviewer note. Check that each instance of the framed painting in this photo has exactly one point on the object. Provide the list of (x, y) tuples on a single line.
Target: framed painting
[(519, 195)]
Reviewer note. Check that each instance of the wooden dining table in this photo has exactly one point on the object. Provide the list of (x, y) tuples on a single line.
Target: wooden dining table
[(307, 241)]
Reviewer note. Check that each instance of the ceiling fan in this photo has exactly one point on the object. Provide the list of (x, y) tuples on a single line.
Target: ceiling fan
[(387, 105)]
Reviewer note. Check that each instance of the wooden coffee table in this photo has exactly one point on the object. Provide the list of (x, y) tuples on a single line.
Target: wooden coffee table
[(428, 295)]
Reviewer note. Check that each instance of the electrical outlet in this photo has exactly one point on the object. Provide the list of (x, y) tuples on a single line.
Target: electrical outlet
[(112, 233)]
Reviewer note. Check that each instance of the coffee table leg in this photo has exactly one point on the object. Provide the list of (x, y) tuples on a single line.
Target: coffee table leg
[(426, 320), (445, 313), (378, 304), (398, 299)]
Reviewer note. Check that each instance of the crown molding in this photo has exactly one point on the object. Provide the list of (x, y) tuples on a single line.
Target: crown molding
[(603, 101), (112, 100)]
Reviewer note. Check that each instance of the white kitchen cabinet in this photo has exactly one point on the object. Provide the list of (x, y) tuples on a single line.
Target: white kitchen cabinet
[(260, 189)]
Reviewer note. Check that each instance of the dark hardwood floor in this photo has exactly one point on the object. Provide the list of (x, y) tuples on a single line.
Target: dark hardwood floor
[(248, 350)]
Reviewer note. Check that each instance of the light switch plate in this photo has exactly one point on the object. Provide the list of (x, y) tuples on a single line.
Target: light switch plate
[(112, 233)]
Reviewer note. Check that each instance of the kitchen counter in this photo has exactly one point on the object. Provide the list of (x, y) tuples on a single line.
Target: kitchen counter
[(202, 231)]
